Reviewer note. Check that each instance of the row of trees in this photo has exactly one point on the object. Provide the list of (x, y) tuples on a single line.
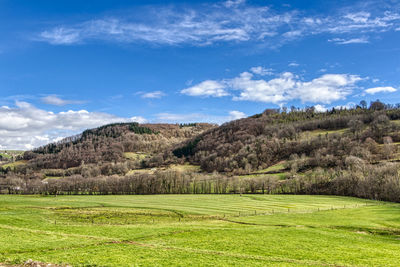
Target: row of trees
[(357, 178)]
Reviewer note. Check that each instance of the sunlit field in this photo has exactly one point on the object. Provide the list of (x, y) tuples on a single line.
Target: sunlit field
[(199, 230)]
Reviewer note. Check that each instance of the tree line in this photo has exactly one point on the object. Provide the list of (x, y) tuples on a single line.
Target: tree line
[(357, 178)]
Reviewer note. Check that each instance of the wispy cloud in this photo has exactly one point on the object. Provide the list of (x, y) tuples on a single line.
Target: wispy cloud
[(198, 117), (155, 94), (286, 87), (230, 21), (57, 101), (234, 3), (341, 41), (376, 90), (261, 71), (61, 35)]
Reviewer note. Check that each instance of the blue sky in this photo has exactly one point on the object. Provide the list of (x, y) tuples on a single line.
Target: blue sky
[(70, 65)]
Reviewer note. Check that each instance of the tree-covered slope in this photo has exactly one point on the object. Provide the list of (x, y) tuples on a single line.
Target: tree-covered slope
[(309, 138), (109, 143)]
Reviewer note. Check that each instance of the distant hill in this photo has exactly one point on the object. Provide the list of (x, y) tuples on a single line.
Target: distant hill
[(108, 143)]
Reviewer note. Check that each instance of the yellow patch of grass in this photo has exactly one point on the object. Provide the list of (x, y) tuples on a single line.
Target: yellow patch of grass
[(279, 167), (172, 167), (14, 164), (135, 155)]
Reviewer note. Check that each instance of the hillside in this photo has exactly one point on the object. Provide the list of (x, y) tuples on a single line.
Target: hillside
[(350, 152), (129, 144), (304, 137)]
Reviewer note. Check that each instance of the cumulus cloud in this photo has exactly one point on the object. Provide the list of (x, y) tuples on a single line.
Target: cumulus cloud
[(320, 108), (235, 115), (325, 89), (206, 88), (286, 87), (155, 94), (272, 91), (375, 90), (230, 21), (26, 126), (56, 101)]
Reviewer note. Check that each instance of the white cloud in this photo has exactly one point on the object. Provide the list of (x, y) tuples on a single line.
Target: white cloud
[(286, 87), (206, 88), (375, 90), (325, 89), (230, 21), (138, 119), (293, 64), (323, 108), (235, 115), (261, 71), (198, 117), (25, 126), (272, 91), (61, 35), (292, 34), (234, 3), (362, 22), (184, 118), (340, 41), (320, 108), (155, 94), (360, 17), (56, 101)]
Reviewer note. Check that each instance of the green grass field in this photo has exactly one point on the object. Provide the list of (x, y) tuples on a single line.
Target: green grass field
[(199, 230)]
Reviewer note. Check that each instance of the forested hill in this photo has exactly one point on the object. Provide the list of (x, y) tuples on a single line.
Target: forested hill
[(304, 139), (109, 143), (350, 152)]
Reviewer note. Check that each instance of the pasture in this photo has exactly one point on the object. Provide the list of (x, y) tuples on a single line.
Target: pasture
[(199, 230)]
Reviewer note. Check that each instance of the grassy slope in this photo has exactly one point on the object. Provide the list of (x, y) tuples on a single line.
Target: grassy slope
[(13, 164), (5, 155), (135, 155), (173, 167), (198, 230)]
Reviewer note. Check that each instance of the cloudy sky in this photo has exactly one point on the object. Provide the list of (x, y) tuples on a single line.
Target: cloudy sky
[(70, 65)]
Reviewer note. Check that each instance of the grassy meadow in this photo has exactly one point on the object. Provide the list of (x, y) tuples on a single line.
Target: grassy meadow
[(199, 230)]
